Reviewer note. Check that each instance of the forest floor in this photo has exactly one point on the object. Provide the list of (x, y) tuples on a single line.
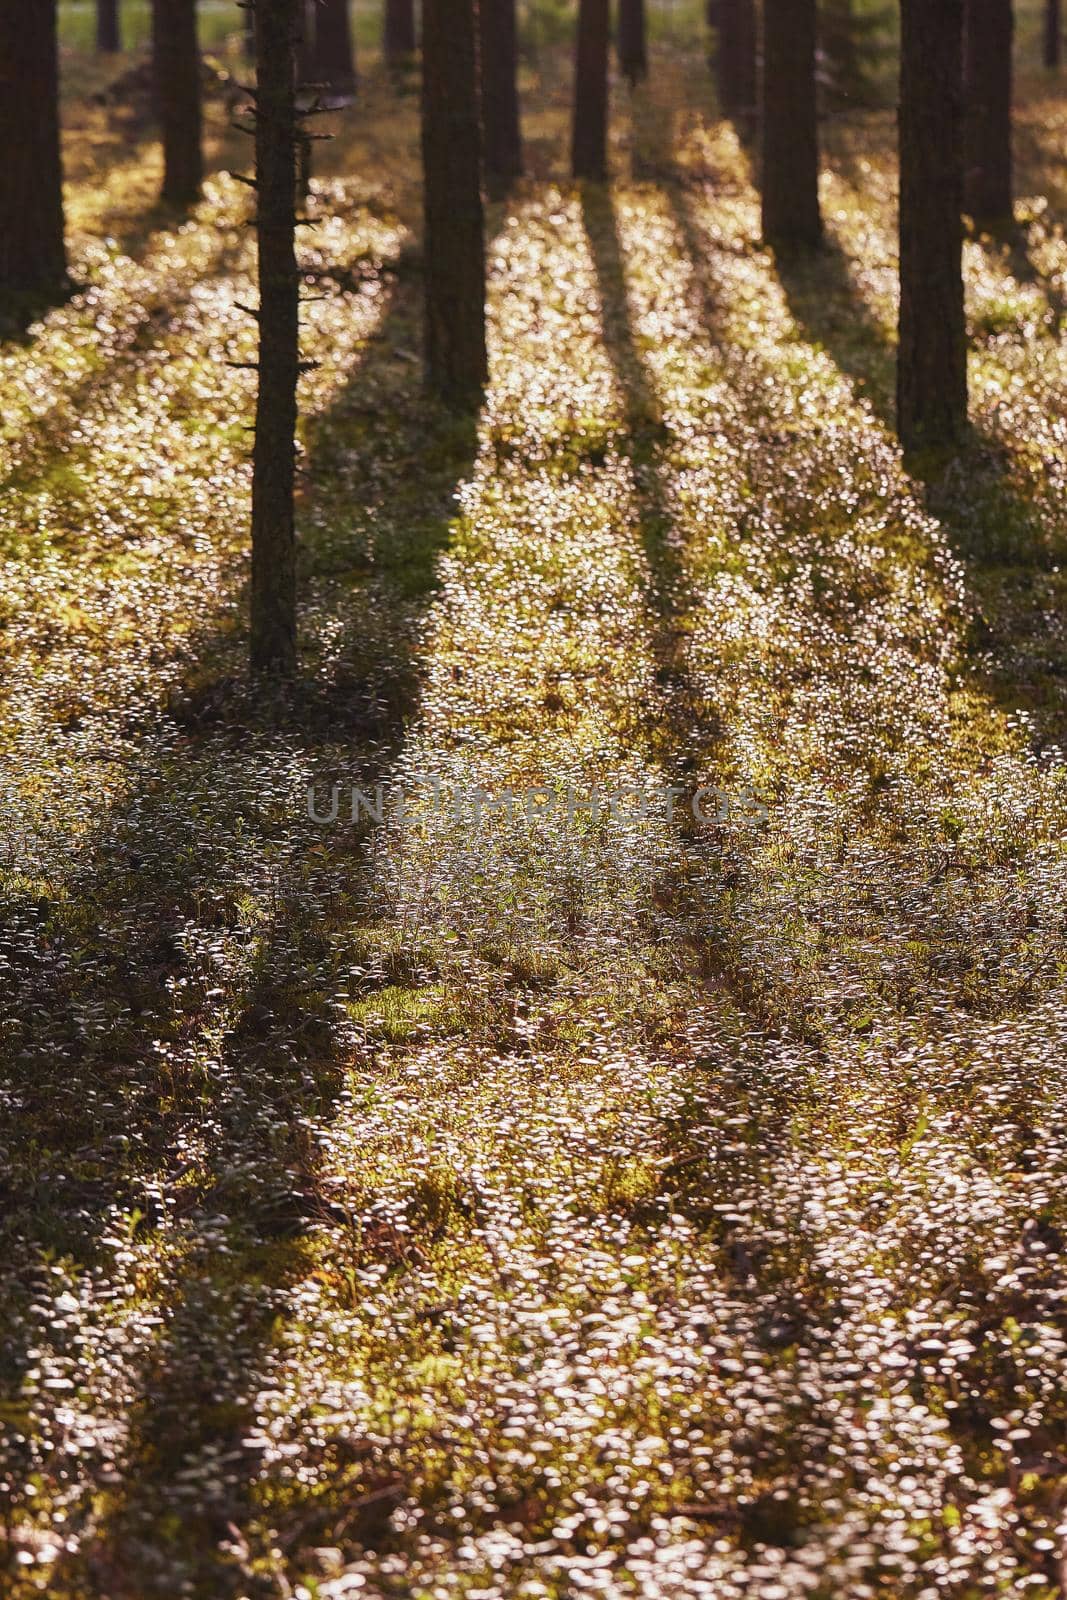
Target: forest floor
[(537, 1204)]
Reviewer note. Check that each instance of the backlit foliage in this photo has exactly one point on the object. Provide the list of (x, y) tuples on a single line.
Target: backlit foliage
[(546, 1207)]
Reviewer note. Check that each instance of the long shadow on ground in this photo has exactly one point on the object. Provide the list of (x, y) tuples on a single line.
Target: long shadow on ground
[(156, 1090), (684, 716), (982, 494)]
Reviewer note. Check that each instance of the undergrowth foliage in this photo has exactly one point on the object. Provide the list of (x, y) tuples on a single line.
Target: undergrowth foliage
[(553, 1205)]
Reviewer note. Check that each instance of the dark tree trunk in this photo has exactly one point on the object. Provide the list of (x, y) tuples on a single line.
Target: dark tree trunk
[(108, 35), (1053, 33), (457, 366), (633, 49), (589, 143), (791, 220), (398, 38), (988, 30), (327, 57), (735, 62), (837, 36), (273, 634), (932, 354), (500, 95), (176, 64), (32, 256)]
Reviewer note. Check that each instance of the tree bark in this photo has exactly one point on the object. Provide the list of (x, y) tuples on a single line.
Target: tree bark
[(932, 353), (589, 142), (500, 95), (32, 255), (399, 42), (1053, 33), (327, 57), (988, 30), (273, 611), (457, 366), (735, 62), (176, 65), (632, 42), (791, 218), (108, 34)]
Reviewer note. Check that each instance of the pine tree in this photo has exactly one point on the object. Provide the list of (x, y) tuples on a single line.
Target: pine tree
[(791, 218), (32, 255), (632, 43), (837, 39), (988, 30), (500, 95), (108, 34), (454, 250), (735, 61), (273, 610), (932, 351), (327, 57), (1052, 34), (399, 41), (176, 67), (589, 141)]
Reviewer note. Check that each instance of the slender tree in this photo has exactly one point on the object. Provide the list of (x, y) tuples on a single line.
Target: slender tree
[(399, 42), (1053, 33), (327, 59), (500, 95), (273, 631), (735, 61), (988, 29), (632, 43), (176, 67), (837, 38), (32, 256), (589, 140), (932, 351), (108, 34), (456, 361), (791, 219)]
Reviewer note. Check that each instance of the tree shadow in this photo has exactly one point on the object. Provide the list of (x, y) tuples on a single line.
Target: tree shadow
[(173, 1053), (669, 598), (980, 492), (35, 446)]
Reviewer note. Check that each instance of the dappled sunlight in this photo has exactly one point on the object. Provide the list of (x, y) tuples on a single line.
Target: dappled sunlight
[(519, 1194)]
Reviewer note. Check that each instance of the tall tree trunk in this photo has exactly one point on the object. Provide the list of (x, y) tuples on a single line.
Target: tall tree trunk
[(837, 37), (791, 219), (932, 353), (589, 141), (176, 64), (632, 43), (32, 256), (108, 34), (273, 619), (454, 251), (327, 56), (735, 61), (988, 30), (398, 35), (500, 95), (1053, 33)]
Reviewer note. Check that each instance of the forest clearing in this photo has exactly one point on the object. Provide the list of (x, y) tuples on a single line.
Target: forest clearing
[(510, 1199)]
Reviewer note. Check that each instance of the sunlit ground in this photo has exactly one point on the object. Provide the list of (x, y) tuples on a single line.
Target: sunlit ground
[(559, 1204)]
